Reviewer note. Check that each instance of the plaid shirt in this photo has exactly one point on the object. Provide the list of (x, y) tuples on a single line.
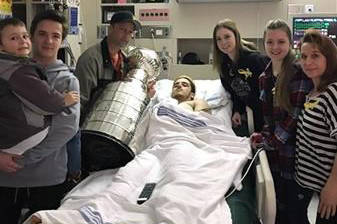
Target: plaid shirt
[(279, 131)]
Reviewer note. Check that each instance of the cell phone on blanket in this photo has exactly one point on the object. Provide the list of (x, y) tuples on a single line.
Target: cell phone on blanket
[(146, 193)]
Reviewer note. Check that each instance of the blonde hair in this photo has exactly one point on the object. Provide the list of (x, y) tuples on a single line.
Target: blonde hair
[(287, 71)]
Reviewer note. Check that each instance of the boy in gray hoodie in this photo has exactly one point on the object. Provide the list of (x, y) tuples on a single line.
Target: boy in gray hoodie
[(24, 122), (38, 185)]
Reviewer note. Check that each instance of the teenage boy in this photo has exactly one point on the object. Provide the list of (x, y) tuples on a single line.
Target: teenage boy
[(39, 184)]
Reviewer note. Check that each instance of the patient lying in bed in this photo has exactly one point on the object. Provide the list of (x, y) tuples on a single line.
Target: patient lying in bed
[(190, 155), (183, 91)]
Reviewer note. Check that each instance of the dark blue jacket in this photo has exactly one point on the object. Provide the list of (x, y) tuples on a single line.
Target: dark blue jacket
[(241, 80)]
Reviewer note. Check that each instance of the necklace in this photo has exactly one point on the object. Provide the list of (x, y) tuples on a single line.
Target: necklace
[(274, 81)]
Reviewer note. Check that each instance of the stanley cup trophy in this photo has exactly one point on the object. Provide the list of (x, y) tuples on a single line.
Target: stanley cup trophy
[(112, 121)]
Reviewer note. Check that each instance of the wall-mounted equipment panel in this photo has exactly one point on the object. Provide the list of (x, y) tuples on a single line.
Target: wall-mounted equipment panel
[(154, 31), (47, 2), (222, 1), (73, 21), (326, 24), (154, 14), (109, 10), (5, 9), (132, 1), (150, 1), (151, 31)]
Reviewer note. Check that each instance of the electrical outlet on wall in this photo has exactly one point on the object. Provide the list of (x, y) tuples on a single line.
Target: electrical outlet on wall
[(154, 31), (295, 8), (309, 8)]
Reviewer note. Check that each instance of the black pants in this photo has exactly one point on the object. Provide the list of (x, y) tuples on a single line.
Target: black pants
[(293, 202), (12, 200)]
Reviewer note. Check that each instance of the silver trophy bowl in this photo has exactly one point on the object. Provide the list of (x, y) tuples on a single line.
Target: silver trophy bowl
[(113, 118)]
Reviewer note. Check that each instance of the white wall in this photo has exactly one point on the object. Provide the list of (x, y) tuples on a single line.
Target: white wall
[(198, 20), (89, 19)]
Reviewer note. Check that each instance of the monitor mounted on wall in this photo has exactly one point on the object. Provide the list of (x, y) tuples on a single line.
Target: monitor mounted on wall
[(326, 24)]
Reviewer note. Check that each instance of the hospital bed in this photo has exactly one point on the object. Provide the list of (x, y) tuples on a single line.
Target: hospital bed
[(220, 103), (263, 199)]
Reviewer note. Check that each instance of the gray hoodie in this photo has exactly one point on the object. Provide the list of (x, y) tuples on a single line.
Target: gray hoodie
[(46, 164), (28, 99)]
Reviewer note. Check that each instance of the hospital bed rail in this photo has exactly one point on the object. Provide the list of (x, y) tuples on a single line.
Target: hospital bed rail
[(265, 191)]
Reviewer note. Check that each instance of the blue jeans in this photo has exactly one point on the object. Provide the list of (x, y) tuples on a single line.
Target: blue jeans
[(74, 154)]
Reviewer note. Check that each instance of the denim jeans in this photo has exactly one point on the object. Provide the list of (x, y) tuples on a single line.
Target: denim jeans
[(74, 154)]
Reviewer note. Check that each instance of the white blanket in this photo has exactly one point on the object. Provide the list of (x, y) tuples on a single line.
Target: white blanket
[(193, 160)]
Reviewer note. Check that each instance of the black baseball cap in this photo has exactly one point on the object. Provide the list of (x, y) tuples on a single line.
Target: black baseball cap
[(125, 16)]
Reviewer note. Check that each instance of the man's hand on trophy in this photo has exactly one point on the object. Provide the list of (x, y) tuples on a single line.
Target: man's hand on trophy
[(132, 62), (131, 65)]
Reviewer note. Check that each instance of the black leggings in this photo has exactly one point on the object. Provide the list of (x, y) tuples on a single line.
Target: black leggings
[(293, 202)]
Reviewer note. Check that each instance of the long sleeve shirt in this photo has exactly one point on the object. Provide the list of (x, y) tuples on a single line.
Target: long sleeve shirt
[(241, 80), (279, 131), (94, 71), (46, 164), (28, 99)]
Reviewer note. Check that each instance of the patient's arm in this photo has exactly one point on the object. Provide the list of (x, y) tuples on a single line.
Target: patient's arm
[(196, 105), (188, 105), (201, 105)]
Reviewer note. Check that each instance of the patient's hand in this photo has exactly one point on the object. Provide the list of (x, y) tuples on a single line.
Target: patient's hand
[(35, 220), (150, 88)]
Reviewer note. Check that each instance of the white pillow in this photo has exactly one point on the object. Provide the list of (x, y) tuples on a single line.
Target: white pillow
[(209, 90)]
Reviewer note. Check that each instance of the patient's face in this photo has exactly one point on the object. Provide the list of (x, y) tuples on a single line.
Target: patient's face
[(181, 90)]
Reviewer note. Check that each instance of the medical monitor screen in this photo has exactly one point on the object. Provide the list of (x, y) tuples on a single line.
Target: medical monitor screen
[(326, 25)]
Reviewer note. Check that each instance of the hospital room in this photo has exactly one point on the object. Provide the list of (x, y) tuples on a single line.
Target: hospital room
[(168, 112)]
